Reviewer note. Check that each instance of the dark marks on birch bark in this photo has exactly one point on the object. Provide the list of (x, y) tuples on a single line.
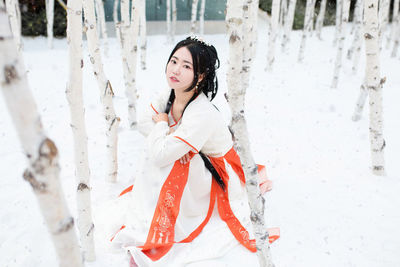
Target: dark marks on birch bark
[(368, 36), (48, 149), (65, 225), (90, 229), (82, 187), (378, 168), (37, 186), (10, 74)]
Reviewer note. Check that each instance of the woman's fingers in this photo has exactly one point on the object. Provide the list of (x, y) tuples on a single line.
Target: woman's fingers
[(185, 158), (160, 117)]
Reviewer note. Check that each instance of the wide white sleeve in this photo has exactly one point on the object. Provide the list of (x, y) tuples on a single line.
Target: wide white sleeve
[(195, 129), (157, 105)]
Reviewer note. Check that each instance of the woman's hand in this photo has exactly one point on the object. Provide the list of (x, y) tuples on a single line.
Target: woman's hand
[(185, 158), (160, 117)]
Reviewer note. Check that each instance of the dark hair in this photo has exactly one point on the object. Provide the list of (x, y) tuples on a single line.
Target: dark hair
[(205, 61)]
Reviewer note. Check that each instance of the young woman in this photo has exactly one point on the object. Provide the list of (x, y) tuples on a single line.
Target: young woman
[(189, 206)]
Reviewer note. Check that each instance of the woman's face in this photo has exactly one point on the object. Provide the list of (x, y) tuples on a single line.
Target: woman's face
[(179, 72)]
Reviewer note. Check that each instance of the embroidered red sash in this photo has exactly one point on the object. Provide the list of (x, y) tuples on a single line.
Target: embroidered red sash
[(160, 238)]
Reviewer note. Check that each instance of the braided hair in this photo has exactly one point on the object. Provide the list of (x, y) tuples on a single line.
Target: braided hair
[(205, 62)]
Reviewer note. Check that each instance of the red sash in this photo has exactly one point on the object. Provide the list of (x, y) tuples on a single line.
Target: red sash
[(160, 238)]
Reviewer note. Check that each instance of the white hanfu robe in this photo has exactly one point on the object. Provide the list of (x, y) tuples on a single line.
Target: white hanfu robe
[(201, 128)]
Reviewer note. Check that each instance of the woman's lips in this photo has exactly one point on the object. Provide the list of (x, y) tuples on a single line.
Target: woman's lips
[(174, 79)]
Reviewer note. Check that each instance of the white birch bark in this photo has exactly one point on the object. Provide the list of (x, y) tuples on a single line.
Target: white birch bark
[(374, 85), (272, 33), (193, 17), (129, 58), (77, 111), (312, 13), (143, 34), (169, 30), (254, 32), (307, 27), (346, 10), (283, 12), (202, 10), (288, 24), (234, 18), (357, 24), (116, 20), (338, 20), (320, 18), (360, 103), (397, 39), (174, 17), (102, 19), (106, 92), (41, 152), (14, 16), (357, 41), (131, 92), (383, 15), (339, 52), (249, 39), (395, 21), (50, 20)]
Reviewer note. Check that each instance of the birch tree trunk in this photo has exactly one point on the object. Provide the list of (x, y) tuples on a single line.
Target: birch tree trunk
[(14, 16), (374, 85), (116, 20), (307, 27), (357, 22), (50, 20), (320, 19), (234, 18), (193, 17), (143, 34), (249, 39), (397, 40), (288, 24), (383, 15), (41, 152), (339, 53), (312, 13), (106, 92), (360, 103), (115, 11), (272, 33), (174, 15), (77, 111), (102, 19), (339, 8), (131, 94), (169, 31), (395, 21), (346, 10), (202, 10), (129, 59), (254, 31), (283, 12), (357, 41)]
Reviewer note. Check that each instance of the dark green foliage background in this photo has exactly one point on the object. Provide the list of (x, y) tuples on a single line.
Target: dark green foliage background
[(298, 22), (33, 15), (33, 18)]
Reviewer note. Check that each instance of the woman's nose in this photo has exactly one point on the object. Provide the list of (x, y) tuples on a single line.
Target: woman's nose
[(176, 69)]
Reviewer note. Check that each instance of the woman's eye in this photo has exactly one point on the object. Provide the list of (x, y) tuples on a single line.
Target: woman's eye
[(173, 61), (186, 67)]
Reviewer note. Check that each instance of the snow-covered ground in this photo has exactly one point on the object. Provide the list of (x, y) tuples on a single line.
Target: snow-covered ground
[(331, 210)]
